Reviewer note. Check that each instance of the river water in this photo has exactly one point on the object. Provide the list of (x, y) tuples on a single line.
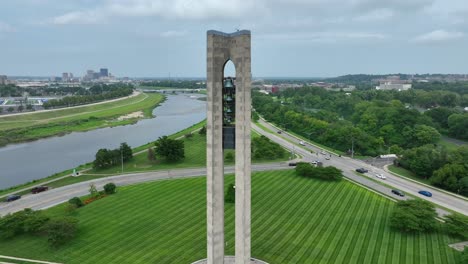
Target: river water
[(20, 163)]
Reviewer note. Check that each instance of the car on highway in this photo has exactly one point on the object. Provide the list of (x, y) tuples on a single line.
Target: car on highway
[(327, 157), (39, 189), (292, 164), (362, 170), (314, 162), (380, 176), (13, 197), (398, 192), (302, 143), (323, 152), (425, 193)]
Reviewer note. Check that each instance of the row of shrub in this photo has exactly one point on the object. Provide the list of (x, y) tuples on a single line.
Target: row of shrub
[(58, 230), (94, 195), (329, 173)]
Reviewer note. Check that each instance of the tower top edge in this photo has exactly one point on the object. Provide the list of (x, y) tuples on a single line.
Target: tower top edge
[(237, 33)]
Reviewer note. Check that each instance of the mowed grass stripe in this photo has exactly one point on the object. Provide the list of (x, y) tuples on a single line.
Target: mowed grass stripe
[(335, 225), (294, 226), (342, 243), (356, 239), (376, 255), (372, 238), (317, 224), (300, 220), (365, 228), (387, 239), (138, 216), (277, 229)]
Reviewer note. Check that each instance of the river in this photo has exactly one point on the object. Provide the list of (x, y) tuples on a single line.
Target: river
[(21, 163)]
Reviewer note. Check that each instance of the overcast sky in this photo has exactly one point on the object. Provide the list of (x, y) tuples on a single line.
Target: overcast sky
[(290, 38)]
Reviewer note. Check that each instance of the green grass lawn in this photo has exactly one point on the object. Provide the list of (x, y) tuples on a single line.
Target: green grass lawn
[(407, 173), (195, 156), (294, 220), (43, 124)]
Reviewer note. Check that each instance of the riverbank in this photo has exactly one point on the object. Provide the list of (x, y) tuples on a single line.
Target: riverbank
[(65, 177), (24, 128)]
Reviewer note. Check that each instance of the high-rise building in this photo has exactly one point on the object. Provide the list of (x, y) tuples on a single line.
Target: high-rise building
[(104, 72), (3, 79), (65, 77)]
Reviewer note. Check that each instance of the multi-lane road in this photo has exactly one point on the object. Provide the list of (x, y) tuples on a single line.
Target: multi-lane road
[(347, 165)]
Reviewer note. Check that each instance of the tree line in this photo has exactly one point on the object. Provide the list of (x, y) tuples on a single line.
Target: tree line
[(95, 95)]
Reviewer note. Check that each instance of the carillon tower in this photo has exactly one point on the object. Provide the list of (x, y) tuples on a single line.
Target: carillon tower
[(228, 127)]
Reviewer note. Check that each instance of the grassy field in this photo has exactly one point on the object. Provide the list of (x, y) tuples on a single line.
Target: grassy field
[(195, 156), (44, 124), (294, 220)]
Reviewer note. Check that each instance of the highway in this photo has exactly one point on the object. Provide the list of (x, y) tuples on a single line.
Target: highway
[(348, 166)]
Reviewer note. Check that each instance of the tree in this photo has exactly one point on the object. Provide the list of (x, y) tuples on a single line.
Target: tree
[(151, 156), (450, 177), (26, 221), (126, 151), (93, 190), (29, 107), (171, 149), (202, 130), (109, 188), (20, 108), (1, 110), (304, 169), (102, 159), (76, 201), (414, 215), (230, 196), (60, 230), (229, 157), (10, 109), (457, 125), (457, 225)]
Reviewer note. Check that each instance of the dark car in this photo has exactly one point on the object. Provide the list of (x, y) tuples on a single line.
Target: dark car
[(292, 164), (398, 192), (279, 131), (362, 170), (13, 197), (39, 189), (425, 193)]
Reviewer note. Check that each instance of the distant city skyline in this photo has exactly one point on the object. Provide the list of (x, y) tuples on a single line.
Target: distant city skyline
[(298, 38)]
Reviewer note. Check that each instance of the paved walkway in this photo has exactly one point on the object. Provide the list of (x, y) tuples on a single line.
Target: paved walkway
[(26, 260)]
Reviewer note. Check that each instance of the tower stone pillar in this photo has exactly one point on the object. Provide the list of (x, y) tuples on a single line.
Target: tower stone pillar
[(223, 47)]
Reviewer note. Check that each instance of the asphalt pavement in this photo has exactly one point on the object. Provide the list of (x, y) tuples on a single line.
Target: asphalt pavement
[(348, 166)]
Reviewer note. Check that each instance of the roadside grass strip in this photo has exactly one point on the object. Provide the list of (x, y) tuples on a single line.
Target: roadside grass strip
[(294, 220)]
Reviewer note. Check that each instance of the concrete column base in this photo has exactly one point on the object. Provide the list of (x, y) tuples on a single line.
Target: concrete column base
[(232, 260)]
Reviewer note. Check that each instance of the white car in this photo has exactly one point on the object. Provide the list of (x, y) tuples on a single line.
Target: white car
[(301, 143), (380, 176)]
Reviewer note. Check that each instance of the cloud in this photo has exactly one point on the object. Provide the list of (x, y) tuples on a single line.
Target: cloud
[(324, 37), (173, 33), (376, 15), (438, 36), (6, 28), (176, 9), (80, 17)]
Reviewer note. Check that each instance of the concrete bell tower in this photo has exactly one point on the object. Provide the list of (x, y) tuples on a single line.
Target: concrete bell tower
[(228, 126)]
